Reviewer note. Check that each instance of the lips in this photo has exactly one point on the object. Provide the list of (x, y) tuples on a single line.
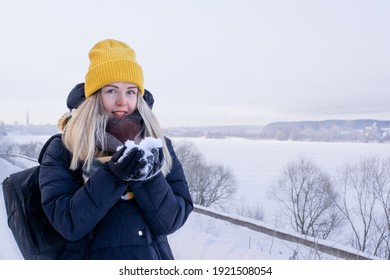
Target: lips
[(119, 114)]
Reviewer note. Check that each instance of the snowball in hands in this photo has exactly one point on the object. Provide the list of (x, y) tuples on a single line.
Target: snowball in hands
[(147, 145)]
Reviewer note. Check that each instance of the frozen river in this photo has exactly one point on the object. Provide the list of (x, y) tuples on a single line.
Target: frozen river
[(256, 164)]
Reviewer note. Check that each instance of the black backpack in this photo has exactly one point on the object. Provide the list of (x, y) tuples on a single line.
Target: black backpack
[(33, 232)]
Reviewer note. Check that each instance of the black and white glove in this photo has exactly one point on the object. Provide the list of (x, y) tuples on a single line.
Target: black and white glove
[(155, 162), (128, 166)]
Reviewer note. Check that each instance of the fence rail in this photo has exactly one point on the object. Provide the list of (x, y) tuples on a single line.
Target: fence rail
[(17, 155), (304, 240)]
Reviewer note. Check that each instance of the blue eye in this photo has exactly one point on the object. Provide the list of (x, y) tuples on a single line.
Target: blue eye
[(131, 91), (110, 91)]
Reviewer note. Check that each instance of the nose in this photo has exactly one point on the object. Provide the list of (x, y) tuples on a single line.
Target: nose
[(121, 99)]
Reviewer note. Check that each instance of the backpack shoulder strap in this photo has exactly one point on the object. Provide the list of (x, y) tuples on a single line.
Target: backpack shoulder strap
[(42, 152)]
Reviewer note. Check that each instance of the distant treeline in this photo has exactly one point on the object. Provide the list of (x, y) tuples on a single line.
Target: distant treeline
[(365, 130), (215, 131), (360, 130), (47, 129)]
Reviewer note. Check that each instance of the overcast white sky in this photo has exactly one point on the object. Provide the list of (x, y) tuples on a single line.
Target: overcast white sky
[(207, 62)]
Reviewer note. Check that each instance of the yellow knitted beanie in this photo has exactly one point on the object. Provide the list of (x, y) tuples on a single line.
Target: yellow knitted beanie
[(112, 61)]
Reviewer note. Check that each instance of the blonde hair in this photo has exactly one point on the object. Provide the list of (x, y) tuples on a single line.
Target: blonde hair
[(152, 129), (87, 128)]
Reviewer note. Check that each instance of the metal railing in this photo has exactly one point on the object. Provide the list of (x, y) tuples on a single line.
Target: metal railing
[(17, 155), (315, 244)]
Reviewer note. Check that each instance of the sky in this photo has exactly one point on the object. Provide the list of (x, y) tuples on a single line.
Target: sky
[(220, 62)]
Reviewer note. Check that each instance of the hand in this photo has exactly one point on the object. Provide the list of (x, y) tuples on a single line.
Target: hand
[(155, 162), (128, 167)]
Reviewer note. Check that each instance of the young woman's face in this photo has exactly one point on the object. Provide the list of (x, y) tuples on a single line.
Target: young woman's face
[(119, 99)]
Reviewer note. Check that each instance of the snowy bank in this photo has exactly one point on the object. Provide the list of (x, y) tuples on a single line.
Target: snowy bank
[(201, 238)]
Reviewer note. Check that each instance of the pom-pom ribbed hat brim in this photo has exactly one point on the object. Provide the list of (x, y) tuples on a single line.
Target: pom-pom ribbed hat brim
[(113, 71)]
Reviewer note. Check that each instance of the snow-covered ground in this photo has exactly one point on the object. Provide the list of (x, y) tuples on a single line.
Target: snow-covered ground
[(201, 238), (255, 163)]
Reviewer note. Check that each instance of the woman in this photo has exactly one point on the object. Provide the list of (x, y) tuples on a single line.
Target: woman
[(107, 200)]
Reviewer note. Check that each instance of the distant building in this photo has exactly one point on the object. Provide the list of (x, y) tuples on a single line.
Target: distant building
[(27, 119)]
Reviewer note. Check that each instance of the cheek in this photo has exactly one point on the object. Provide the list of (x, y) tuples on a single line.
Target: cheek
[(107, 105), (132, 105)]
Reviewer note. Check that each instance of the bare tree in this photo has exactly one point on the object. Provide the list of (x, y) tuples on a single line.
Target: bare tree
[(209, 184), (31, 149), (7, 147), (247, 209), (192, 160), (382, 190), (364, 188), (3, 131), (307, 197)]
